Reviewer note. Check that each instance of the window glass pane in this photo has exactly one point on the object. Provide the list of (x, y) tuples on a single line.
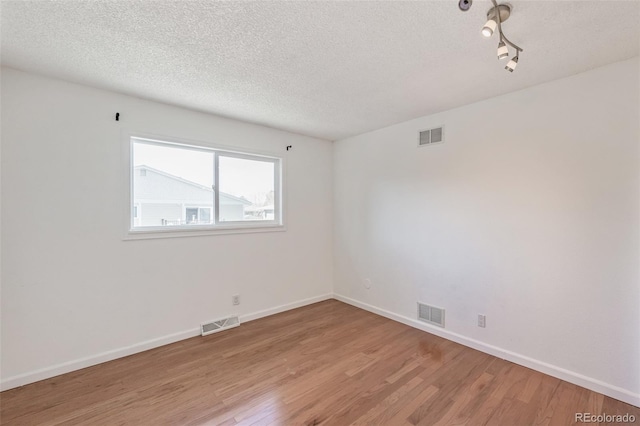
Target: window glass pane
[(247, 189), (205, 215), (191, 215), (170, 184)]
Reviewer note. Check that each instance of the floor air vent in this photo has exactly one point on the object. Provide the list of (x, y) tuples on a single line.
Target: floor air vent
[(431, 314), (431, 136), (219, 325)]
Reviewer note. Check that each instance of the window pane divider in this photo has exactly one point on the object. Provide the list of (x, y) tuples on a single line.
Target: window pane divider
[(216, 185)]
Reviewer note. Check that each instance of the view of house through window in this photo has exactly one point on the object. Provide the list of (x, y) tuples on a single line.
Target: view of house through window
[(175, 185), (242, 176)]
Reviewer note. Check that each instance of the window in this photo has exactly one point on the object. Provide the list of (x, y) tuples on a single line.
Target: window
[(176, 188), (198, 215)]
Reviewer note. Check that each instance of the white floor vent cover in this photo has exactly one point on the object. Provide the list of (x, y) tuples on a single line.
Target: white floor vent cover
[(219, 325), (431, 314)]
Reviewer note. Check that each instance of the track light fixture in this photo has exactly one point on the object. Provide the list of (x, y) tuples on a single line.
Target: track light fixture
[(495, 17)]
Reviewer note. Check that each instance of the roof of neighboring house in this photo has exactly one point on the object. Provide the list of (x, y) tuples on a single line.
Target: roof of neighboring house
[(188, 182)]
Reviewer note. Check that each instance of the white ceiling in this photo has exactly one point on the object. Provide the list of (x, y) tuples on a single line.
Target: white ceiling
[(325, 69)]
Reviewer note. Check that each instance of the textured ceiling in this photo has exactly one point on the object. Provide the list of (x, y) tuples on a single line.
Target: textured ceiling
[(325, 69)]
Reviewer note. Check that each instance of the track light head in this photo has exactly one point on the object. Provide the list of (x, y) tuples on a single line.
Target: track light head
[(512, 64), (503, 50), (489, 28), (465, 5)]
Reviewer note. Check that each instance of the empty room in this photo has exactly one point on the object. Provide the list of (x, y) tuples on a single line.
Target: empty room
[(319, 212)]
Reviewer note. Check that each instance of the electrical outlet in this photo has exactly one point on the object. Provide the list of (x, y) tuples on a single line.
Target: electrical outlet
[(482, 321), (235, 299), (367, 283)]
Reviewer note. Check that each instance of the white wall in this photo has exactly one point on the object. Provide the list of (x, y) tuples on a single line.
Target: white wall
[(73, 292), (529, 214)]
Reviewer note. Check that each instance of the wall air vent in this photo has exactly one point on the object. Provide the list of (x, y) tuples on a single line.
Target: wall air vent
[(431, 314), (431, 136), (219, 325)]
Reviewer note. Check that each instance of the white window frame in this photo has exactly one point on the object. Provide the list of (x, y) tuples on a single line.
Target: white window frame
[(133, 232)]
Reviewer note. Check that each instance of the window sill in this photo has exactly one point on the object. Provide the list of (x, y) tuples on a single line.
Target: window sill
[(199, 231)]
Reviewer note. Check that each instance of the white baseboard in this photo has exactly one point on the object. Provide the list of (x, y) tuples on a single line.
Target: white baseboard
[(283, 308), (543, 367), (77, 364)]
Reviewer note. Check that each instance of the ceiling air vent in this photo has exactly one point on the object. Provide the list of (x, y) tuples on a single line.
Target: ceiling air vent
[(431, 314), (219, 325), (431, 136)]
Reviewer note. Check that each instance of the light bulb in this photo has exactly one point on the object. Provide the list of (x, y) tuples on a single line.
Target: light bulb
[(503, 50), (511, 65), (489, 27)]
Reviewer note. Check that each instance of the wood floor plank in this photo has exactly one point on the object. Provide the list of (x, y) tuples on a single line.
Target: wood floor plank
[(327, 363), (383, 406), (411, 405), (465, 396)]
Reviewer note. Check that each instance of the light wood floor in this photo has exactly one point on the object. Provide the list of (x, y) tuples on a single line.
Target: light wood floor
[(327, 363)]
